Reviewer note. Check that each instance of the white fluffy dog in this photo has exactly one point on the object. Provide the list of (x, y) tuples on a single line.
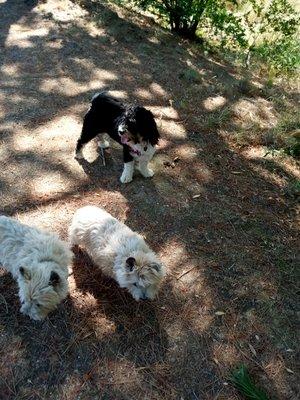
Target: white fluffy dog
[(120, 253), (39, 262)]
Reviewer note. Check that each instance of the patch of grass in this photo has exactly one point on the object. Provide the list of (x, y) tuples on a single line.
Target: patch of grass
[(245, 136), (288, 272), (217, 119), (243, 382), (286, 135), (190, 75), (293, 188)]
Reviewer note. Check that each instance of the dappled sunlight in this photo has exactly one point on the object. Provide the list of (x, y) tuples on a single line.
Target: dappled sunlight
[(25, 142), (173, 130), (64, 11), (259, 112), (121, 94), (157, 90), (164, 112), (263, 154), (124, 374), (277, 369), (102, 326), (186, 151), (269, 174), (213, 103), (23, 38), (225, 354), (60, 136), (59, 131), (154, 40), (48, 184), (69, 87), (143, 94), (45, 217), (216, 214), (11, 70), (174, 253)]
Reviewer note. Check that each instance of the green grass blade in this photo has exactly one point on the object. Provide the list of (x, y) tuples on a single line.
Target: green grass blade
[(242, 381)]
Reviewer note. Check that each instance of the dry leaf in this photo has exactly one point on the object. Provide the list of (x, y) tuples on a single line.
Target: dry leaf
[(219, 313), (252, 349), (196, 196), (290, 371)]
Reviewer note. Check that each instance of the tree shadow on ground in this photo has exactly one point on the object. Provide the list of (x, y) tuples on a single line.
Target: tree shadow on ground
[(217, 221)]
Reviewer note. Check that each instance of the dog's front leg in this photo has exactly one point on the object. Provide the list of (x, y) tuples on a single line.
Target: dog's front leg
[(145, 170), (127, 174)]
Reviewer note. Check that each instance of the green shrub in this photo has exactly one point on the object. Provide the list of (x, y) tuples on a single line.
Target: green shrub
[(283, 55), (185, 16), (265, 29)]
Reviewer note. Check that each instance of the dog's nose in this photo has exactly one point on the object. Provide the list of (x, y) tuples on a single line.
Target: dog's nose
[(121, 130), (144, 297)]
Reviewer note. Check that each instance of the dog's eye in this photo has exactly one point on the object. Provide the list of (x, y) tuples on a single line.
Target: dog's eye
[(38, 305), (145, 148), (135, 284)]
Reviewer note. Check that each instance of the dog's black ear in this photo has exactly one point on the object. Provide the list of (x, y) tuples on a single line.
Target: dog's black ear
[(130, 263), (54, 279), (25, 273), (150, 126), (154, 138)]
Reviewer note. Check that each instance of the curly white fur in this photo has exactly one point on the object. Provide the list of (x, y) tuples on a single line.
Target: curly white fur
[(120, 253), (39, 261), (140, 162)]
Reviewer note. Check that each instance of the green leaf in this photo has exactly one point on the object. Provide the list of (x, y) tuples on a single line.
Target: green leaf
[(242, 381)]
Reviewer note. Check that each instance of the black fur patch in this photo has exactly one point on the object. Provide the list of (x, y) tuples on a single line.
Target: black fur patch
[(130, 263), (54, 278), (107, 114)]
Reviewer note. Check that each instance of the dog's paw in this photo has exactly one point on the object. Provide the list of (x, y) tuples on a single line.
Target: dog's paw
[(147, 173), (103, 144), (126, 178)]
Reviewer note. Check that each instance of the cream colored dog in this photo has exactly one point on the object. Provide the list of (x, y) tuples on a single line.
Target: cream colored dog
[(120, 253), (39, 261)]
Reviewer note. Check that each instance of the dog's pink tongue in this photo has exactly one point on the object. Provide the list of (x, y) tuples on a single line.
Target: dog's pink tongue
[(124, 139)]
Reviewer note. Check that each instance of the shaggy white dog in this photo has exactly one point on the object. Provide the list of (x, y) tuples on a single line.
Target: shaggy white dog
[(120, 253), (39, 262)]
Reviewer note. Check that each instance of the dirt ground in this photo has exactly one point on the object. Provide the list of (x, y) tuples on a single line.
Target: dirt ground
[(222, 217)]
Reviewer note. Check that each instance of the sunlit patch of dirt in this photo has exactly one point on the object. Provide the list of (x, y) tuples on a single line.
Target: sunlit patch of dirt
[(218, 215)]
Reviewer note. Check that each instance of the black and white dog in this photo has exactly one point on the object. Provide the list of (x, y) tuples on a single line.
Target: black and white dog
[(133, 127)]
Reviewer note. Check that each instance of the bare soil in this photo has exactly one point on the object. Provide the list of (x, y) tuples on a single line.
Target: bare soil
[(222, 217)]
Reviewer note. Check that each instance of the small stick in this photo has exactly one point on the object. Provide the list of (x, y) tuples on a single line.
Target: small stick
[(102, 156), (186, 272)]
